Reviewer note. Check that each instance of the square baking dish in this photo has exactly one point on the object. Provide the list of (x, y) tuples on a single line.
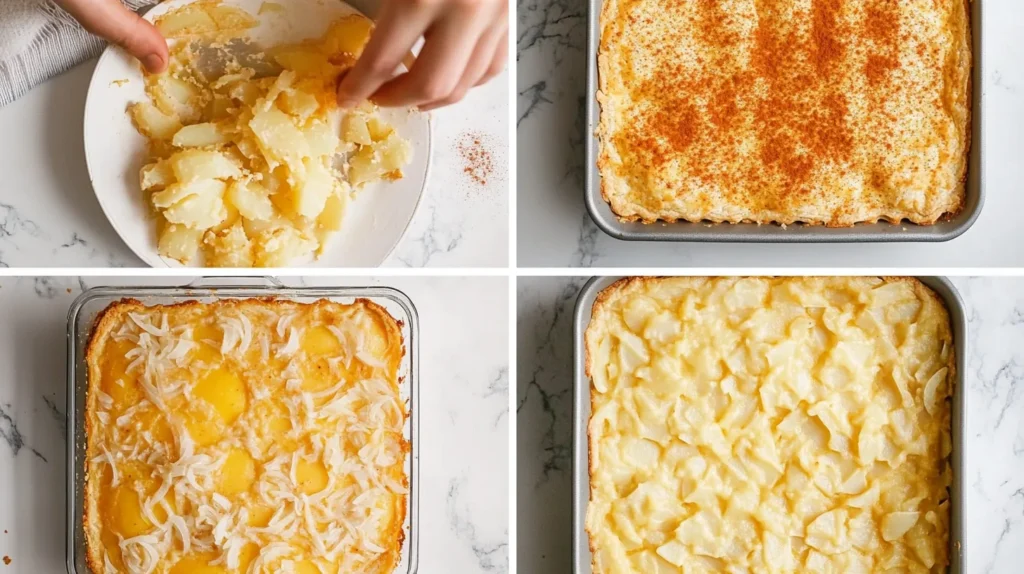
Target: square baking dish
[(581, 557), (605, 219), (89, 304)]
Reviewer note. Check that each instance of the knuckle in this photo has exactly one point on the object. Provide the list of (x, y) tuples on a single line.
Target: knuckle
[(435, 90)]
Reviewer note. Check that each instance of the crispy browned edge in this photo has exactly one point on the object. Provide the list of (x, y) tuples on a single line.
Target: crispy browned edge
[(98, 336), (955, 210), (609, 293)]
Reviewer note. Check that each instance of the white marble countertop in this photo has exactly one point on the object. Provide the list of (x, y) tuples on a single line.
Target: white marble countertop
[(49, 215), (464, 469), (554, 229), (994, 539)]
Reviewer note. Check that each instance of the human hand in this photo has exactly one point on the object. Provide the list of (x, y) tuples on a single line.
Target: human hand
[(466, 44), (112, 21)]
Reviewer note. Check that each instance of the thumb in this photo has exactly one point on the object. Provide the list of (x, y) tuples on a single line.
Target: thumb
[(110, 20)]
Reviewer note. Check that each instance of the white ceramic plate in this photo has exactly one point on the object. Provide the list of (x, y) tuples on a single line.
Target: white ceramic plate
[(114, 151)]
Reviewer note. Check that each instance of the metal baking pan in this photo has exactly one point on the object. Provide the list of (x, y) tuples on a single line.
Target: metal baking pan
[(602, 214), (581, 557), (89, 304)]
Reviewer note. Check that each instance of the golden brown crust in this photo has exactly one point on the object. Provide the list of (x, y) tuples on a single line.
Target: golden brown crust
[(627, 285), (100, 333), (647, 178)]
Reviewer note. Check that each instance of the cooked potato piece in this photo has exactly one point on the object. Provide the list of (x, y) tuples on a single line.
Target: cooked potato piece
[(152, 122), (348, 35), (193, 165), (379, 129), (198, 211), (279, 139), (278, 246), (355, 130), (254, 227), (179, 191), (245, 92), (395, 153), (230, 18), (282, 84), (228, 248), (248, 167), (176, 97), (251, 199), (156, 175), (322, 139), (333, 213), (364, 166), (186, 21), (304, 60), (316, 187), (200, 135), (179, 242), (220, 108), (300, 104)]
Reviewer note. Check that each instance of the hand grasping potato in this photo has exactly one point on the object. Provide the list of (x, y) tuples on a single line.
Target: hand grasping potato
[(466, 44)]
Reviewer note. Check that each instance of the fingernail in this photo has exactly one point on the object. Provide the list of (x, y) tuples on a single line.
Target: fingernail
[(153, 62)]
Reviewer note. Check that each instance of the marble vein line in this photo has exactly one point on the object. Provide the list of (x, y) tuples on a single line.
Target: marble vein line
[(12, 436), (555, 403), (492, 557), (433, 241), (498, 386), (58, 415)]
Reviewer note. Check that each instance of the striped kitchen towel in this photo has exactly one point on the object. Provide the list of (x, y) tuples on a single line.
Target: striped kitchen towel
[(38, 41)]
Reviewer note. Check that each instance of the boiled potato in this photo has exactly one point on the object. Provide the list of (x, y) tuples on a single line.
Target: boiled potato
[(228, 248), (176, 97), (311, 195), (348, 35), (280, 140), (193, 164), (154, 123), (198, 211), (179, 191), (305, 61), (395, 153), (364, 167), (230, 18), (244, 168), (179, 242), (299, 104), (200, 135), (156, 175), (355, 130), (251, 199), (278, 246), (186, 21), (322, 139), (379, 129), (333, 213)]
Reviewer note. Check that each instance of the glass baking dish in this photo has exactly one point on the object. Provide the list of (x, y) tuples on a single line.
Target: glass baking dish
[(89, 304)]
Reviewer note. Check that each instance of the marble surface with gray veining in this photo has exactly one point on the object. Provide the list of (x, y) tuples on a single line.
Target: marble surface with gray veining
[(554, 230), (49, 215), (994, 522), (464, 423)]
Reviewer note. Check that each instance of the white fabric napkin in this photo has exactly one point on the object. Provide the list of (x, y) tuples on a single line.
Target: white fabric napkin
[(38, 40)]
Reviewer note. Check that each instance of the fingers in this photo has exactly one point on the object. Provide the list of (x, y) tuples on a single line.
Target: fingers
[(110, 20), (397, 30), (488, 60), (498, 63), (438, 69)]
